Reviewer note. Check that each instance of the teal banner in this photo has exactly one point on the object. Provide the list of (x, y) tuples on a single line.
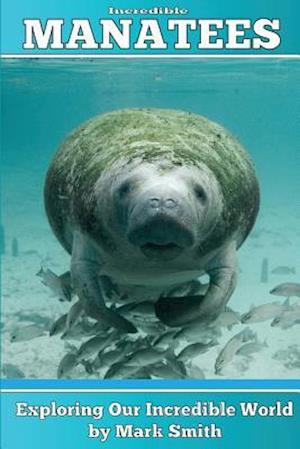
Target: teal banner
[(137, 28), (224, 419)]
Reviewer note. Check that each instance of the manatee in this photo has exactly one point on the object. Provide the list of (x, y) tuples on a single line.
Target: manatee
[(146, 201)]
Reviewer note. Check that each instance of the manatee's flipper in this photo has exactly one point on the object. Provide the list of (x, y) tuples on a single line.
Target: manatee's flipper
[(85, 268), (223, 274), (176, 311)]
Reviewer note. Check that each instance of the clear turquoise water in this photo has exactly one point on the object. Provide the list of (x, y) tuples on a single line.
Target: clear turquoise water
[(43, 100), (258, 100)]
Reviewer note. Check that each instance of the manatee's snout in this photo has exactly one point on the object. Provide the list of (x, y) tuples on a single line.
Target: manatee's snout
[(159, 224)]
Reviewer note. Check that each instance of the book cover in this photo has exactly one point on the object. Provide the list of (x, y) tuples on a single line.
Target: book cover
[(150, 261)]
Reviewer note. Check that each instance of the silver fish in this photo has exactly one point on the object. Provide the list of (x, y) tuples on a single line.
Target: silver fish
[(284, 270), (109, 317), (58, 326), (228, 319), (263, 312), (84, 328), (57, 284), (76, 333), (27, 333), (147, 356), (74, 315), (142, 373), (108, 358), (197, 333), (66, 365), (289, 354), (89, 367), (193, 350), (281, 354), (232, 346), (34, 317), (165, 371), (92, 346), (121, 370), (129, 347), (250, 348), (286, 289), (194, 372), (287, 319), (12, 371), (165, 340)]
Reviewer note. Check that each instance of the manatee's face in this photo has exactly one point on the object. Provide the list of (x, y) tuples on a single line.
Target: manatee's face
[(163, 211)]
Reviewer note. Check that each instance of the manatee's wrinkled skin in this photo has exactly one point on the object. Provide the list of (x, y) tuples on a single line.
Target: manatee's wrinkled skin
[(147, 200)]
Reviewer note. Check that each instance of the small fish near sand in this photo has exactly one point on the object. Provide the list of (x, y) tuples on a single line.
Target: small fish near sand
[(285, 354), (195, 333), (287, 289), (92, 346), (228, 319), (194, 350), (248, 349), (84, 328), (290, 356), (287, 319), (142, 373), (166, 370), (121, 370), (194, 372), (264, 312), (166, 340), (231, 348), (58, 326), (148, 356), (108, 358), (27, 333), (11, 371), (284, 270), (66, 365), (60, 286), (74, 315)]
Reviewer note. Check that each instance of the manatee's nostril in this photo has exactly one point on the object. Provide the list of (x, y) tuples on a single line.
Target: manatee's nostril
[(169, 203), (154, 202)]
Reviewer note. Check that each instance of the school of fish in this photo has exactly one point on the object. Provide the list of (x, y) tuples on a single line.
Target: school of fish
[(155, 350)]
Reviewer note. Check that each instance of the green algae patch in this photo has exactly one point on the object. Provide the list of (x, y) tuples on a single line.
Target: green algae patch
[(148, 135)]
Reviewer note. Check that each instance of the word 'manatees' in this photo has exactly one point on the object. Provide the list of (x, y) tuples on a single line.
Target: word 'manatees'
[(184, 34)]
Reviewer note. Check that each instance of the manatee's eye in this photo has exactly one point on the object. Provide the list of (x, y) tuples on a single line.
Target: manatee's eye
[(125, 189), (200, 193)]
